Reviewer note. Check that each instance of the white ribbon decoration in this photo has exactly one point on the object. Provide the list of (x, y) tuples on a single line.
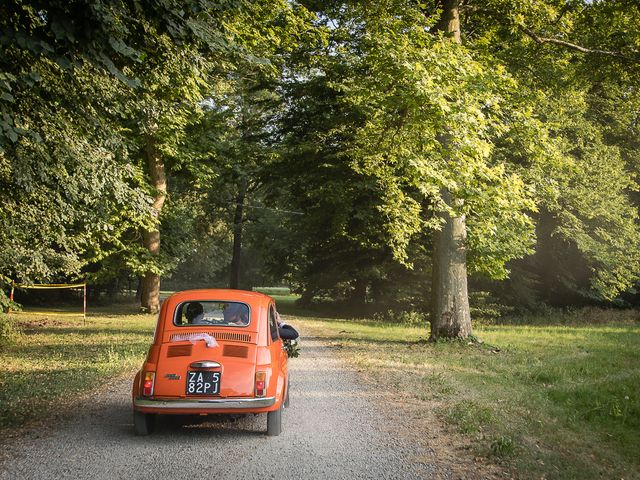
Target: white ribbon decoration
[(194, 337)]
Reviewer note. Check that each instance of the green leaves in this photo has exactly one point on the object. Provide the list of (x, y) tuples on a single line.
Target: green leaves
[(433, 111), (357, 116)]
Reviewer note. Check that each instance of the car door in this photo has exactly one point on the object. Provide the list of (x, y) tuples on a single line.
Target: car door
[(278, 354)]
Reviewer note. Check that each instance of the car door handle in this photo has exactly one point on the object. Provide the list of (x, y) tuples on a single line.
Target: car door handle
[(205, 364)]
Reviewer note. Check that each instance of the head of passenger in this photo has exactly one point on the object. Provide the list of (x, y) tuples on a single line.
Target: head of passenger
[(236, 314), (194, 312)]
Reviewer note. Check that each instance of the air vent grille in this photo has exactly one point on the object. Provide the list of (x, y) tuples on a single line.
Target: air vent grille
[(229, 336), (235, 337)]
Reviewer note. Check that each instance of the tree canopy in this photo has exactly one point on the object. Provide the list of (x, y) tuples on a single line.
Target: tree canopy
[(328, 145)]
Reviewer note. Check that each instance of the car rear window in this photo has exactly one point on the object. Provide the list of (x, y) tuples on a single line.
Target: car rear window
[(212, 312)]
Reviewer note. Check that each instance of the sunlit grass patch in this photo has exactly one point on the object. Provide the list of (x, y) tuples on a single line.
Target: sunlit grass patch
[(552, 401), (51, 360), (273, 291)]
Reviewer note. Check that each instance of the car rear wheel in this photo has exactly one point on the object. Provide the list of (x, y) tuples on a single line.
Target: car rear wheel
[(143, 423), (274, 422)]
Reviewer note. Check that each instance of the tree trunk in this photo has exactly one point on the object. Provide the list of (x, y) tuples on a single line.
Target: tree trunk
[(150, 291), (307, 297), (359, 294), (450, 316), (449, 22), (139, 290), (234, 278)]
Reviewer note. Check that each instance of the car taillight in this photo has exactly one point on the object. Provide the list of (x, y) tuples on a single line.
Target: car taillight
[(261, 384), (147, 386)]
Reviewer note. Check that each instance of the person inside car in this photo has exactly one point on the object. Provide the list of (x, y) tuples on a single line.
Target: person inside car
[(286, 331), (195, 313), (236, 314)]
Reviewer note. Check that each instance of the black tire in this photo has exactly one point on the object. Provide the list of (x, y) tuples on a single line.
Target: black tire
[(274, 422), (143, 423)]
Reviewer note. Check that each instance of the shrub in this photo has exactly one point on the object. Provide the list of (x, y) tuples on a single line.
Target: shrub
[(486, 309), (410, 318)]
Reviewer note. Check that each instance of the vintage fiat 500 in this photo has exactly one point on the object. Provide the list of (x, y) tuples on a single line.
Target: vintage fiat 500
[(214, 352)]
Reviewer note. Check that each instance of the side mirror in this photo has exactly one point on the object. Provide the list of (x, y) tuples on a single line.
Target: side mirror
[(287, 332)]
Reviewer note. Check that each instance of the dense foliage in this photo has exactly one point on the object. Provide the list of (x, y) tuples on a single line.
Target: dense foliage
[(317, 144)]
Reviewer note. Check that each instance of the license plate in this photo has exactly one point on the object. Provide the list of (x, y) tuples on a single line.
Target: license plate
[(203, 383)]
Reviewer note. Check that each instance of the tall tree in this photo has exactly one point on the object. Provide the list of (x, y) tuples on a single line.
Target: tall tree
[(237, 137), (171, 89), (450, 315), (578, 63), (67, 187), (73, 77), (391, 90)]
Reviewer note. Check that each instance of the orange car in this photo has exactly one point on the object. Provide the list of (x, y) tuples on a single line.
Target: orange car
[(214, 351)]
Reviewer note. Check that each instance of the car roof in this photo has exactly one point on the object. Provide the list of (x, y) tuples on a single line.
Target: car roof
[(224, 294)]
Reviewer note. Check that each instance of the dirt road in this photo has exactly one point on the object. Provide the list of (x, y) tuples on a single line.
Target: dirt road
[(332, 429)]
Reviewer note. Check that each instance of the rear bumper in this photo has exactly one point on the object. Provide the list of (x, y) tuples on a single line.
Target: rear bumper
[(196, 405)]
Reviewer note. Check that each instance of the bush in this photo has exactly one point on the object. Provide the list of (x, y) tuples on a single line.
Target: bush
[(5, 303), (409, 318), (545, 315), (486, 309)]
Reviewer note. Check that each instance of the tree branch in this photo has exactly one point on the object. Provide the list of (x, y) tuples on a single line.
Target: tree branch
[(556, 41)]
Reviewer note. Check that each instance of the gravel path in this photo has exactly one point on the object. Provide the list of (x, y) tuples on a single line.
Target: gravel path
[(331, 430)]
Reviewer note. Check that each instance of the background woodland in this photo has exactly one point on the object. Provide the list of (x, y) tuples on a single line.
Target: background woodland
[(324, 145)]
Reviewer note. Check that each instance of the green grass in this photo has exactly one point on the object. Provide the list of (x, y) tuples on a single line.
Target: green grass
[(282, 291), (548, 401), (47, 362)]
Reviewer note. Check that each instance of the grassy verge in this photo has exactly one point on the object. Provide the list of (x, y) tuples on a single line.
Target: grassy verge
[(49, 361), (548, 401)]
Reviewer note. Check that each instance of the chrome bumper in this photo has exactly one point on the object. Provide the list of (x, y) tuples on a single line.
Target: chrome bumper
[(207, 404)]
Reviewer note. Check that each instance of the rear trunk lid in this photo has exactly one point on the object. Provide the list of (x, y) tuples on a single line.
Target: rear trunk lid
[(181, 352)]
